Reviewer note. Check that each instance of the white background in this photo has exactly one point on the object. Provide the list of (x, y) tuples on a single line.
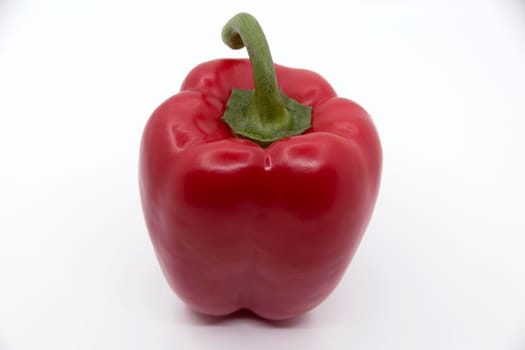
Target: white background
[(442, 265)]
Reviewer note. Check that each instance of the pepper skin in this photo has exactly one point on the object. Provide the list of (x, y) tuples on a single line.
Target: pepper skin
[(238, 226)]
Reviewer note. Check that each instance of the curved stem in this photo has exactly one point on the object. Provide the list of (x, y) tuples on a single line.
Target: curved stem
[(243, 30), (265, 114)]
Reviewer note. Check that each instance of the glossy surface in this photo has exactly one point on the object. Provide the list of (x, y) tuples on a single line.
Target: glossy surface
[(238, 226)]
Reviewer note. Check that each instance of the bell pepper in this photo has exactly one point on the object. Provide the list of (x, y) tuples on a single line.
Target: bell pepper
[(257, 183)]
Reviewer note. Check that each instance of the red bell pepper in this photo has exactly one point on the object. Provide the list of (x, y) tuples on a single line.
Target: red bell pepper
[(257, 199)]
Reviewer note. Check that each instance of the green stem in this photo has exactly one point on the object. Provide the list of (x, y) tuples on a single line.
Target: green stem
[(243, 30), (266, 114)]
